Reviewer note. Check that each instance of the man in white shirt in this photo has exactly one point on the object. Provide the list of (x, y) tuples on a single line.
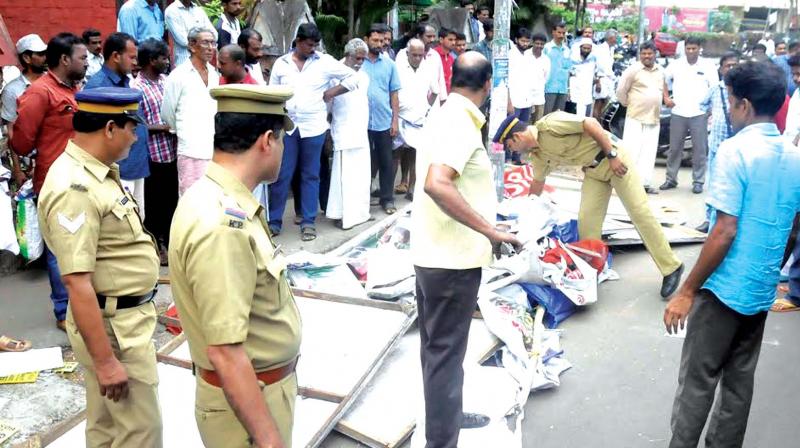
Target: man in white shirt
[(309, 73), (181, 16), (188, 108), (540, 74), (584, 80), (691, 80), (420, 89), (520, 81), (94, 45), (348, 199), (604, 53), (427, 34), (792, 131)]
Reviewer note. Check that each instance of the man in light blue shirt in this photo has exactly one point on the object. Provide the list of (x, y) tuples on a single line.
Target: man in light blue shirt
[(142, 19), (557, 86), (384, 110), (755, 191)]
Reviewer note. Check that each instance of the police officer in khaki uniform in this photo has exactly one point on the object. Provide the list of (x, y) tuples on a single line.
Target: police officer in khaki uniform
[(229, 281), (561, 138), (109, 264)]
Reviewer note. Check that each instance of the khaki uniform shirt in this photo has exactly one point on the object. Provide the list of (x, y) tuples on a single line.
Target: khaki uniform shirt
[(454, 139), (92, 225), (641, 90), (562, 141), (229, 285)]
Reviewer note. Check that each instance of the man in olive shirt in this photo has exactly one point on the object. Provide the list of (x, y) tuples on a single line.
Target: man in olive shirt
[(229, 280), (561, 138), (109, 264), (454, 229)]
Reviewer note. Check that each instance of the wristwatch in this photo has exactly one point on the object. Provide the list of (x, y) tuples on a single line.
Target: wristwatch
[(611, 155)]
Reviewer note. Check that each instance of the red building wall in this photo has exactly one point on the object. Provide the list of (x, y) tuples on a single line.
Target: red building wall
[(50, 17)]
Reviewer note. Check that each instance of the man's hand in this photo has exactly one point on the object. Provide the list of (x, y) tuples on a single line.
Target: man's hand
[(618, 167), (19, 176), (113, 379), (328, 96), (499, 237), (395, 128), (677, 310), (669, 103)]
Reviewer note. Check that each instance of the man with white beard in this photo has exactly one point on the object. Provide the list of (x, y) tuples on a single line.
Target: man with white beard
[(348, 200)]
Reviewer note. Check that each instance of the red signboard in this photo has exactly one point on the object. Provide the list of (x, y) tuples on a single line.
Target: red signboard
[(683, 19)]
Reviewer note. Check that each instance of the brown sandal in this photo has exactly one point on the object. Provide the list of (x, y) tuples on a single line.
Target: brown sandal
[(8, 344), (401, 189)]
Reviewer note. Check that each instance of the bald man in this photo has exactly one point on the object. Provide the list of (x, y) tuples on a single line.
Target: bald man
[(231, 64)]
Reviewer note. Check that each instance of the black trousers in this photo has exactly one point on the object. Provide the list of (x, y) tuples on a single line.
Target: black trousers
[(446, 299), (160, 199), (721, 346), (380, 149)]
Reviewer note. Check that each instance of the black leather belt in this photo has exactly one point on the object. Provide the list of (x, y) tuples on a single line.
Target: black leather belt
[(127, 301)]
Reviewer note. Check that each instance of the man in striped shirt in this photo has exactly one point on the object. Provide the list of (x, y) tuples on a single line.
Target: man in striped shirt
[(161, 189)]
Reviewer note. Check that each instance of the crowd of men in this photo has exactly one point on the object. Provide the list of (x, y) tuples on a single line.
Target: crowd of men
[(128, 133)]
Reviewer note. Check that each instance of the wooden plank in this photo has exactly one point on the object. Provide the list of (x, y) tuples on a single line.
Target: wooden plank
[(384, 416), (379, 227), (62, 428), (356, 391), (169, 321), (174, 343), (380, 304)]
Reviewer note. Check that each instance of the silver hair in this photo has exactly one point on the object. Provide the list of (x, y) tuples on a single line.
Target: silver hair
[(417, 42), (611, 32), (354, 46), (195, 32)]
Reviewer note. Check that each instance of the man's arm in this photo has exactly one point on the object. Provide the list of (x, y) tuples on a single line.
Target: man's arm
[(126, 22), (713, 252), (333, 92), (179, 33), (440, 186), (240, 385), (157, 128), (667, 100), (624, 87), (395, 103), (536, 188), (109, 371), (30, 114), (169, 107)]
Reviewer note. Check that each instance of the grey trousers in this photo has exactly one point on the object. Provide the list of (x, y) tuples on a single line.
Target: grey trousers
[(721, 346), (698, 128), (554, 102)]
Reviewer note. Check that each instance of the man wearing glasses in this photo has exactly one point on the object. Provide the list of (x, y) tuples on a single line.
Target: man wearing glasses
[(188, 108)]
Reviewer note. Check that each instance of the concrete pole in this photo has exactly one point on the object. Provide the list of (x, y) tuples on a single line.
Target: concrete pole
[(499, 95), (642, 28)]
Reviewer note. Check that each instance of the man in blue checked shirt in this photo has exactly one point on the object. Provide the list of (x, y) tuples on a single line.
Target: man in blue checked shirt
[(716, 102), (755, 191)]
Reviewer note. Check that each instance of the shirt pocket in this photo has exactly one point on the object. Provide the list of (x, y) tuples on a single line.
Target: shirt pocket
[(276, 277), (126, 220), (65, 110)]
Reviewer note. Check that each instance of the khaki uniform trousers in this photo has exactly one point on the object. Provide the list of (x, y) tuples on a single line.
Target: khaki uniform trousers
[(598, 183), (135, 421), (219, 426)]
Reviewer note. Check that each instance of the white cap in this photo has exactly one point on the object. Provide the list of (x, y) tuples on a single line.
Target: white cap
[(31, 42), (585, 41)]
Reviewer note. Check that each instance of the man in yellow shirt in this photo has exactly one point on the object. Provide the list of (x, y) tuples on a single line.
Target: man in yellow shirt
[(454, 229), (561, 138)]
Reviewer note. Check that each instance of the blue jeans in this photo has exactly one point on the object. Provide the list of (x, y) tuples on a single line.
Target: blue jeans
[(304, 152), (58, 292), (794, 273)]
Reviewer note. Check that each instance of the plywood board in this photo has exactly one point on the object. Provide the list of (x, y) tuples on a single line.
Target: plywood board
[(176, 392), (385, 414)]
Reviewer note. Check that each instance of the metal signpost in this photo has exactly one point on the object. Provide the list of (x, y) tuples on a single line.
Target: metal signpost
[(499, 95)]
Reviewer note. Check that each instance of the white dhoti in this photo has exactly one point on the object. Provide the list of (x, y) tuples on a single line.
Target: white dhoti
[(351, 178), (408, 134), (641, 143)]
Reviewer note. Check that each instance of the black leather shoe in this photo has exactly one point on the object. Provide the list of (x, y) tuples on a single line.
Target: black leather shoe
[(472, 421), (650, 190), (668, 185), (702, 227), (697, 189), (671, 282)]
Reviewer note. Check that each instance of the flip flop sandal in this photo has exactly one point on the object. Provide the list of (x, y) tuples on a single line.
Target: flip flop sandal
[(784, 306), (401, 189), (308, 233), (389, 209), (8, 344)]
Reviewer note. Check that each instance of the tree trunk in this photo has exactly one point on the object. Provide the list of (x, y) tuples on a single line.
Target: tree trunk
[(351, 12)]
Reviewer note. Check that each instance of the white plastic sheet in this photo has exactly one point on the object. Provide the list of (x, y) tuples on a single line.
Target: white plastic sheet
[(8, 236)]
